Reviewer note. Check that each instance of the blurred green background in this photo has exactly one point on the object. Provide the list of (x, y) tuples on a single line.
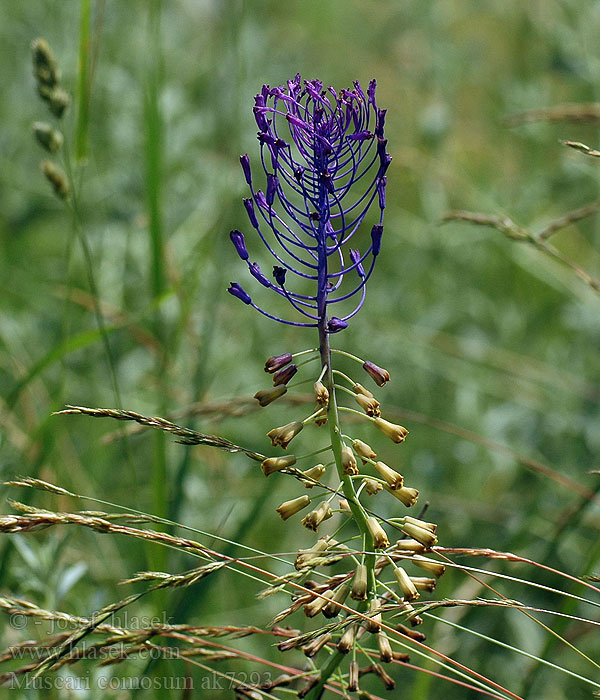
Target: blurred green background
[(478, 332)]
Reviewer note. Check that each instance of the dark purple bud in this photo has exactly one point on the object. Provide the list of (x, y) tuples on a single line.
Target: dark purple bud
[(380, 122), (237, 238), (379, 375), (245, 161), (283, 376), (261, 120), (298, 172), (381, 144), (263, 137), (277, 362), (327, 181), (335, 325), (260, 199), (272, 183), (371, 91), (359, 90), (386, 159), (279, 274), (361, 136), (381, 184), (249, 204), (256, 272), (237, 290), (376, 234), (296, 121), (355, 257)]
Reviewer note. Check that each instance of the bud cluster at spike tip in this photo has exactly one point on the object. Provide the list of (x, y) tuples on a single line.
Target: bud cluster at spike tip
[(324, 158)]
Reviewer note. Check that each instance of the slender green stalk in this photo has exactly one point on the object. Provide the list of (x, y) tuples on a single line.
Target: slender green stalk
[(83, 82), (358, 511)]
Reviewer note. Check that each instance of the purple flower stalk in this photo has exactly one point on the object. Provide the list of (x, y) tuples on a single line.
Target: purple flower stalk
[(324, 156)]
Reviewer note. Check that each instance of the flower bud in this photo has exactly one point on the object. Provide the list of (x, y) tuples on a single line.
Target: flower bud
[(267, 396), (239, 243), (408, 545), (406, 495), (245, 163), (275, 464), (339, 597), (249, 205), (359, 583), (397, 433), (380, 540), (347, 641), (56, 177), (313, 474), (426, 537), (285, 434), (379, 375), (48, 137), (433, 567), (316, 605), (321, 394), (256, 272), (385, 648), (316, 516), (315, 645), (360, 389), (423, 583), (344, 506), (307, 556), (372, 486), (373, 625), (335, 325), (432, 527), (349, 461), (386, 679), (289, 508), (283, 375), (369, 406), (376, 234), (279, 274), (413, 634), (363, 450), (352, 677), (393, 479), (277, 362), (238, 291), (407, 587)]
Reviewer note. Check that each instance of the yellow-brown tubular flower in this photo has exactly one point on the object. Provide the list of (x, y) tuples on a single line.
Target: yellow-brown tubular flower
[(285, 434), (397, 433)]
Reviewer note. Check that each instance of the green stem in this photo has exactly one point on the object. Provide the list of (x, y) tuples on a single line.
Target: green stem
[(358, 512)]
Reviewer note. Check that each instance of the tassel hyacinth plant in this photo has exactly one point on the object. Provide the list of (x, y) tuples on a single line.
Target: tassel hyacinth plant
[(320, 216)]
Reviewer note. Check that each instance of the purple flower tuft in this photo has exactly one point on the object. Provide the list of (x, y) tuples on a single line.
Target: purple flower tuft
[(324, 156)]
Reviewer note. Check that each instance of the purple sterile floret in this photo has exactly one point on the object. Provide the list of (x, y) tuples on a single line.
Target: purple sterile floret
[(336, 324), (237, 290), (323, 153), (376, 234), (237, 238), (279, 274), (245, 163)]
